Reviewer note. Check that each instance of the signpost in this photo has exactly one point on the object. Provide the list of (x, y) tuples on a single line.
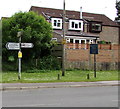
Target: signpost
[(19, 35), (12, 46), (26, 45), (94, 50), (18, 46)]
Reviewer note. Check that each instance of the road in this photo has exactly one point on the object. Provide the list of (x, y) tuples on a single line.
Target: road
[(106, 96)]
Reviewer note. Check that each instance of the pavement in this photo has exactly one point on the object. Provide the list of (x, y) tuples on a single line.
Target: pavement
[(23, 86)]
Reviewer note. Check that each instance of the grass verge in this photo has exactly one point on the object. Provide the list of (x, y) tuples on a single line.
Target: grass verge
[(52, 76)]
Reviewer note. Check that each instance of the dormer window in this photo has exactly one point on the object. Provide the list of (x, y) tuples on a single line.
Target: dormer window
[(95, 27), (56, 23), (75, 25)]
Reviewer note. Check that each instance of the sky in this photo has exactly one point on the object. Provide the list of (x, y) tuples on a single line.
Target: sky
[(107, 7)]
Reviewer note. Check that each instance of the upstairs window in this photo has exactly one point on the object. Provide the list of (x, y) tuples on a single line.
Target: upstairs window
[(54, 39), (56, 23), (75, 25), (95, 27)]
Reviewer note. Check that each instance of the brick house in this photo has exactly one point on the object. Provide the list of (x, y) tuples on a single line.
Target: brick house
[(81, 27)]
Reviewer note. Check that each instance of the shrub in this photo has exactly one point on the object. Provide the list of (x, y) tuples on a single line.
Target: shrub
[(48, 63)]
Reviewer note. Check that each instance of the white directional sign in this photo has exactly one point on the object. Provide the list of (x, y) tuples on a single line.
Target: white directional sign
[(26, 45), (15, 46), (12, 46)]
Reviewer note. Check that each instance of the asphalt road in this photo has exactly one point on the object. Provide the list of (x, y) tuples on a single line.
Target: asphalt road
[(62, 97)]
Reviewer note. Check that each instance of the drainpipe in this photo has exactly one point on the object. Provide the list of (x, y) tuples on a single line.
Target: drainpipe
[(119, 35)]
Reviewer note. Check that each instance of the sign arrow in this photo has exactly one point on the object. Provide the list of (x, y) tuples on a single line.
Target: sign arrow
[(12, 46), (15, 46), (26, 45)]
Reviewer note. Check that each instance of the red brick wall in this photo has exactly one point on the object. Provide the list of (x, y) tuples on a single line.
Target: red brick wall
[(81, 58)]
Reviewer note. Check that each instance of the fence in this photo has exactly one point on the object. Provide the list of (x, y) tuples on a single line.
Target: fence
[(86, 46)]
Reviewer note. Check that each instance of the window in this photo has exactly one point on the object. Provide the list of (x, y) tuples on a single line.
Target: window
[(75, 24), (56, 23), (54, 39), (71, 40), (79, 24), (77, 41), (95, 27), (82, 41), (68, 40)]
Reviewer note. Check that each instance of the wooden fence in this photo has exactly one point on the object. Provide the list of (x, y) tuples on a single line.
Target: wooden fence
[(87, 46)]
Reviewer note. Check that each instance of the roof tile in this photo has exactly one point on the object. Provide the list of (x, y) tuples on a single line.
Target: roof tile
[(50, 12)]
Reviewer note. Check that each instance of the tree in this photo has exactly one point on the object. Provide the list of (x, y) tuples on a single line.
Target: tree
[(118, 11), (35, 30)]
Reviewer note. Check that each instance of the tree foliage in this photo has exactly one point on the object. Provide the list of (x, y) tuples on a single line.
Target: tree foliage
[(118, 11), (35, 30)]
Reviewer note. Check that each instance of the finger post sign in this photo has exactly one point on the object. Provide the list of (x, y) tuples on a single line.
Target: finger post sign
[(18, 46)]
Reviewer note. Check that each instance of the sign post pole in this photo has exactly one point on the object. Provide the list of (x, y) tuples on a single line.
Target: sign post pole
[(94, 50), (94, 65), (19, 55), (19, 69)]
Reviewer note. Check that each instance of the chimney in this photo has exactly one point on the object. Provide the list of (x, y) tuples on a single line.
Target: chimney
[(81, 12)]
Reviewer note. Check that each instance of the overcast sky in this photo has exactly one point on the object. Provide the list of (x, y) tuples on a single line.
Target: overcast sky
[(107, 7)]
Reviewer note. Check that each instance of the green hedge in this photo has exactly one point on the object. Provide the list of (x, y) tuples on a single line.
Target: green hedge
[(49, 63), (46, 63)]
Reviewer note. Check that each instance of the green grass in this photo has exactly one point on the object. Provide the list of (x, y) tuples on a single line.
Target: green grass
[(52, 76)]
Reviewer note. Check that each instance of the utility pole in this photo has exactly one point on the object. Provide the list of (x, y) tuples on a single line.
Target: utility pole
[(95, 59), (63, 44)]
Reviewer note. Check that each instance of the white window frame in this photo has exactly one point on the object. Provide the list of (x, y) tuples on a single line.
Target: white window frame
[(68, 40), (83, 40), (55, 39), (91, 41), (74, 25), (58, 21)]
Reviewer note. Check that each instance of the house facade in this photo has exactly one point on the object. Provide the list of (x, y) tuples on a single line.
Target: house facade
[(80, 27)]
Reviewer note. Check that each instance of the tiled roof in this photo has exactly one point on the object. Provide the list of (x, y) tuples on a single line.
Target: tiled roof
[(76, 33), (50, 12)]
